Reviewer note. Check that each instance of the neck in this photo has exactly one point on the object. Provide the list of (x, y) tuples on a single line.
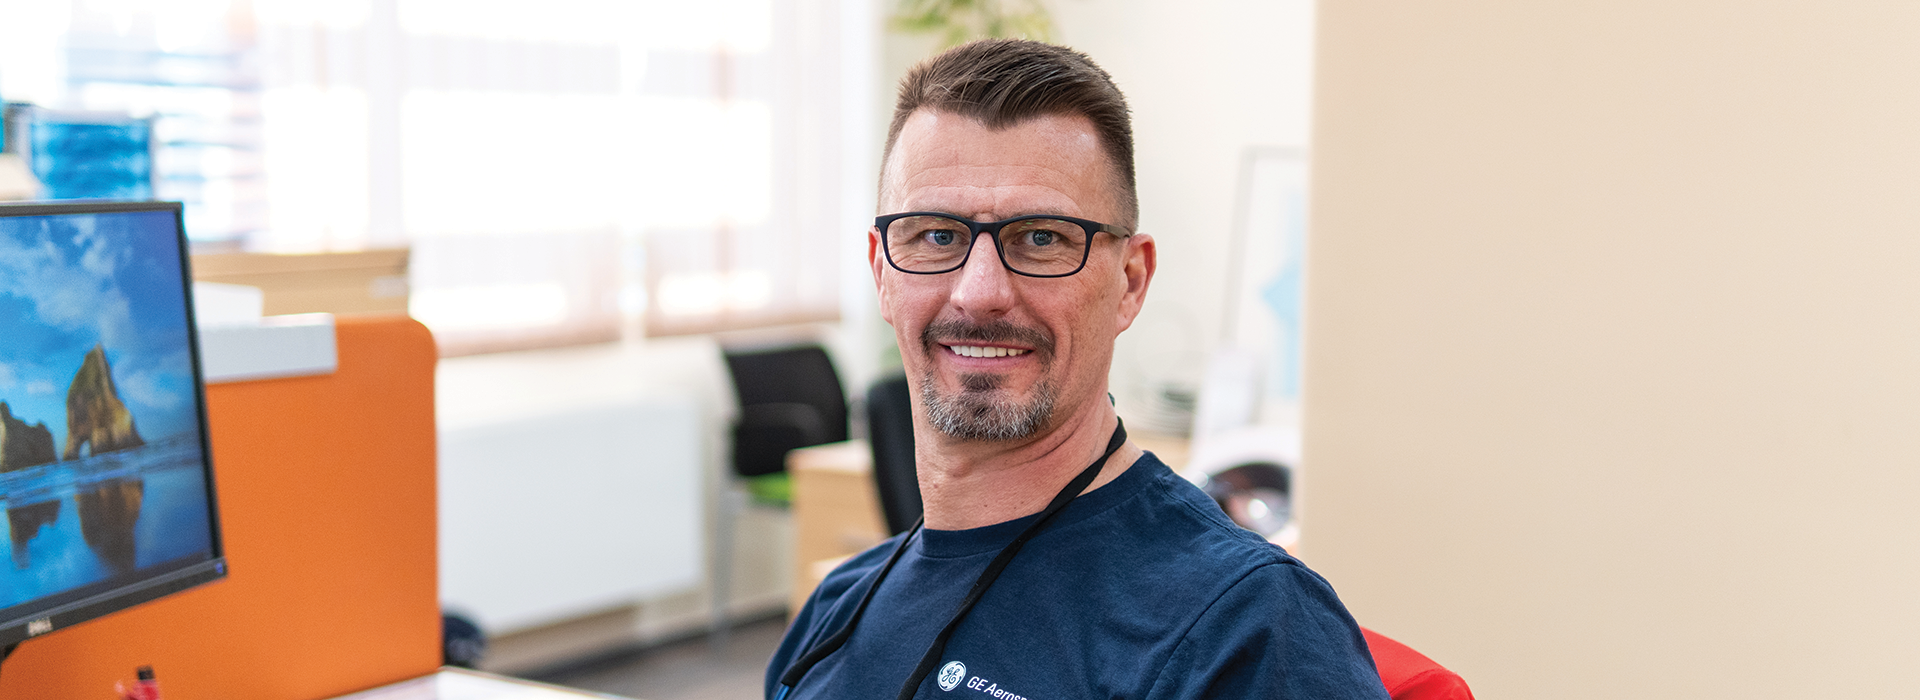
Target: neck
[(970, 483)]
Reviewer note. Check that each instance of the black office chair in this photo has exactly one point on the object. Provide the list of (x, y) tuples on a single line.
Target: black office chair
[(890, 433), (789, 398)]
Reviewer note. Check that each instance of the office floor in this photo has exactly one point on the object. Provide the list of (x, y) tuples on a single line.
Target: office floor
[(695, 669)]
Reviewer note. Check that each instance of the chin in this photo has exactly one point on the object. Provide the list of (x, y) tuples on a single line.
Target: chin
[(982, 410)]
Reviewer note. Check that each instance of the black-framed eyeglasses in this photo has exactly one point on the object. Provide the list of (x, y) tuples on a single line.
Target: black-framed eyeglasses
[(1037, 245)]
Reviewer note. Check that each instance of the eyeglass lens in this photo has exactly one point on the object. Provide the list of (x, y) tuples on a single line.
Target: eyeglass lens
[(1031, 246)]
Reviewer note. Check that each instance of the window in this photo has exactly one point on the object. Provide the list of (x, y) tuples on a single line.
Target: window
[(564, 171)]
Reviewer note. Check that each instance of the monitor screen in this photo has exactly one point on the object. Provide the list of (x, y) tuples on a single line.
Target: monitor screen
[(104, 463)]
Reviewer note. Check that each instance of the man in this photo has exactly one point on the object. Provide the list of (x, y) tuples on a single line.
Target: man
[(1055, 560)]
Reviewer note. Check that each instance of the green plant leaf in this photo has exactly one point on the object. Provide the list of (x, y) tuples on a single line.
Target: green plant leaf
[(960, 21)]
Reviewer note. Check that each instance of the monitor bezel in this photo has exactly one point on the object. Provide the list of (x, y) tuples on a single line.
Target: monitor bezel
[(121, 593)]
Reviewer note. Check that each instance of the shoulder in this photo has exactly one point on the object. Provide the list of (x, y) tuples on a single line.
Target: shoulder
[(1263, 596), (1179, 515), (1257, 622), (1154, 539)]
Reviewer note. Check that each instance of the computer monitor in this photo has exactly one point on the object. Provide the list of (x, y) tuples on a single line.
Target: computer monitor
[(105, 471)]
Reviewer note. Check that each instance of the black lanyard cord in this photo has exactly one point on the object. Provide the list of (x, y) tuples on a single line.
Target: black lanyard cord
[(1060, 501), (932, 658), (832, 644)]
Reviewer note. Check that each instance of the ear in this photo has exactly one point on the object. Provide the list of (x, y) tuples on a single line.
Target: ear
[(876, 258), (1142, 259)]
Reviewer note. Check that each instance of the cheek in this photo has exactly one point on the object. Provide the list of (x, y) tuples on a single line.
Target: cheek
[(1088, 312), (1071, 318), (1090, 327), (908, 309)]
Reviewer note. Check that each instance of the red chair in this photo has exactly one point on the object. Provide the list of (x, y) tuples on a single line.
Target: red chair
[(1410, 675)]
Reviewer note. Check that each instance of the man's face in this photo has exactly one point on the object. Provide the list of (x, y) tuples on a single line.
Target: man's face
[(996, 355)]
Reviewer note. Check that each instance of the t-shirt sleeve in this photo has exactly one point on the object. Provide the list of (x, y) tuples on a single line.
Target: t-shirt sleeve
[(1277, 633)]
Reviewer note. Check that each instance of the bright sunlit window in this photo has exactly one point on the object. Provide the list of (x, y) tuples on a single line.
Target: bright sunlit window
[(563, 171)]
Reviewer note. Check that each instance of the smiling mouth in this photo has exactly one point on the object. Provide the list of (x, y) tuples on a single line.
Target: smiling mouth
[(995, 339), (985, 351)]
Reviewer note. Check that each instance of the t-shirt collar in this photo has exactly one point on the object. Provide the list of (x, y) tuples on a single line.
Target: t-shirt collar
[(943, 544)]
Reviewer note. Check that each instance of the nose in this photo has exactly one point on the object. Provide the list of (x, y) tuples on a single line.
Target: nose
[(984, 288)]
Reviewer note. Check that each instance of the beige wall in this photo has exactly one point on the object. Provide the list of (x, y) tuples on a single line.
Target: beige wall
[(1614, 342)]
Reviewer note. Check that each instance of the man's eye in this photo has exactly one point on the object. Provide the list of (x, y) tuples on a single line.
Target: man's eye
[(1041, 239), (940, 238)]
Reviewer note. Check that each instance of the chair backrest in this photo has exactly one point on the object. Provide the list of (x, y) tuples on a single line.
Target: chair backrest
[(789, 398), (1410, 675), (890, 433)]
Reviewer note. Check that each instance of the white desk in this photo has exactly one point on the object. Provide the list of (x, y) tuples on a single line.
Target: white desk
[(461, 684)]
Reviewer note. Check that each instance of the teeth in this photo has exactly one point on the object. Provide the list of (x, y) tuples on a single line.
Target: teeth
[(978, 351)]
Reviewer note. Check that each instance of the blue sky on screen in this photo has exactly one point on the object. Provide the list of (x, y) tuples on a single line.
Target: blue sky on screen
[(69, 282)]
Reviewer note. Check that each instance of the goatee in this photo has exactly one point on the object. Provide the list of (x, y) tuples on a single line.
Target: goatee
[(982, 410)]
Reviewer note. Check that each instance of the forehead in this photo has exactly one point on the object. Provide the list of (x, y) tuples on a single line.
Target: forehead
[(1051, 164)]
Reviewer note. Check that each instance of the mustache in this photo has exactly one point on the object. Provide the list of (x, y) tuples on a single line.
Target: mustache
[(997, 331)]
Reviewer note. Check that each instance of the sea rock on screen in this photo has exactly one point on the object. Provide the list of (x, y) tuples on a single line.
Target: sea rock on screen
[(95, 416), (23, 445), (25, 523), (97, 420), (107, 517)]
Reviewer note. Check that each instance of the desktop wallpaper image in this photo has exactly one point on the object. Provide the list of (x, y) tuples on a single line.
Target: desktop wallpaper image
[(100, 452)]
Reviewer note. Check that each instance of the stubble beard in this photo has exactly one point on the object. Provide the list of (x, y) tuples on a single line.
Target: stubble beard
[(982, 409)]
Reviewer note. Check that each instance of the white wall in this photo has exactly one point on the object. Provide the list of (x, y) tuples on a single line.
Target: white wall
[(586, 503), (1205, 80), (1613, 375), (576, 480)]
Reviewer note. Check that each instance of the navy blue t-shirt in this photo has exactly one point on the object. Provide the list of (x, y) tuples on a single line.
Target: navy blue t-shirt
[(1140, 589)]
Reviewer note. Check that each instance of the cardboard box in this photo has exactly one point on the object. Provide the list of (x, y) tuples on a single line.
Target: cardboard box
[(836, 509), (373, 281)]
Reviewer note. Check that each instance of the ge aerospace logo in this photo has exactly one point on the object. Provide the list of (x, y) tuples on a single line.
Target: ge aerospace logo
[(951, 675)]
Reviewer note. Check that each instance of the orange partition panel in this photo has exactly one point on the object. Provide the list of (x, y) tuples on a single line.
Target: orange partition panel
[(326, 496)]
